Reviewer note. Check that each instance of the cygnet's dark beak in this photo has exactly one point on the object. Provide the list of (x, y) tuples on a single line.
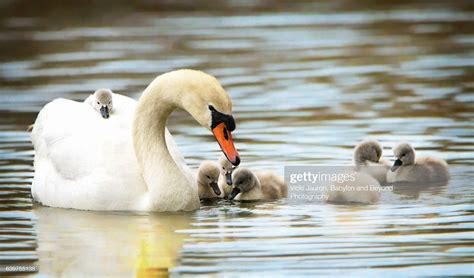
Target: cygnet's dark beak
[(228, 178), (104, 111), (215, 188), (396, 165), (235, 192)]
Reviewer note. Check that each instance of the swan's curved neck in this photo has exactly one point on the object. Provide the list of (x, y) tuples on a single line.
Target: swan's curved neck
[(169, 185)]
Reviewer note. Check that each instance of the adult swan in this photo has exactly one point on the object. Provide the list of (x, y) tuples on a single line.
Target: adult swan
[(85, 162)]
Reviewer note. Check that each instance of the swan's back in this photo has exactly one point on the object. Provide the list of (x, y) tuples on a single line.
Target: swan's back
[(83, 161)]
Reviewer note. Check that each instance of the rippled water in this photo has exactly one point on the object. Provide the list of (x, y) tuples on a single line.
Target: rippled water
[(308, 81)]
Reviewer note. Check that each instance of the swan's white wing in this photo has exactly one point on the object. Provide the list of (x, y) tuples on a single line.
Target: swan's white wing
[(124, 107), (51, 134), (89, 99), (84, 161)]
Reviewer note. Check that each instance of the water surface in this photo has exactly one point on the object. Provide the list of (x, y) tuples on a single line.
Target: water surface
[(308, 81)]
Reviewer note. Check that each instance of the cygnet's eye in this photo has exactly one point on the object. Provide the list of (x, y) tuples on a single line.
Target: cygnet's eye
[(110, 102), (223, 168), (403, 154), (98, 102), (208, 177)]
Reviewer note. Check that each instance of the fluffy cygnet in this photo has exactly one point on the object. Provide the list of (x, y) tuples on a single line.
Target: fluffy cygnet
[(363, 188), (102, 102), (423, 169), (225, 177), (367, 159), (269, 180), (248, 187), (207, 177)]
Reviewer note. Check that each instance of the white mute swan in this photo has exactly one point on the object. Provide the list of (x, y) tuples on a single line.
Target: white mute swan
[(248, 187), (102, 102), (423, 169), (84, 163), (207, 178), (367, 159)]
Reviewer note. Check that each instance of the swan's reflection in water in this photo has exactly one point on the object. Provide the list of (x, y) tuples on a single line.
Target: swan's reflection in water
[(107, 243), (415, 191)]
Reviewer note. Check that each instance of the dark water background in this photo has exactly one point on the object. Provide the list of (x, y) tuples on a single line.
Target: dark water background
[(308, 81)]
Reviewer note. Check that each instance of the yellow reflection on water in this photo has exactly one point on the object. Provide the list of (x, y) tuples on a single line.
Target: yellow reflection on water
[(108, 243), (159, 248)]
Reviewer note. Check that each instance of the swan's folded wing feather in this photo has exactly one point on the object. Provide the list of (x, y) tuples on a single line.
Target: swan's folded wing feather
[(84, 161), (89, 99), (124, 107), (59, 119), (51, 135), (59, 132)]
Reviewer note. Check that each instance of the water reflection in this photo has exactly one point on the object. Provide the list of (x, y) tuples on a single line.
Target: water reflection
[(325, 239), (308, 80), (117, 244)]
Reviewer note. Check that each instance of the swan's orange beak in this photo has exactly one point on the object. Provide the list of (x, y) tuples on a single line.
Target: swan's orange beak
[(224, 138)]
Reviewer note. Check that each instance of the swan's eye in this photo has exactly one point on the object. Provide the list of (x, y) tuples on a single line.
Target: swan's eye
[(223, 168), (208, 177), (211, 108), (110, 102), (98, 103)]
